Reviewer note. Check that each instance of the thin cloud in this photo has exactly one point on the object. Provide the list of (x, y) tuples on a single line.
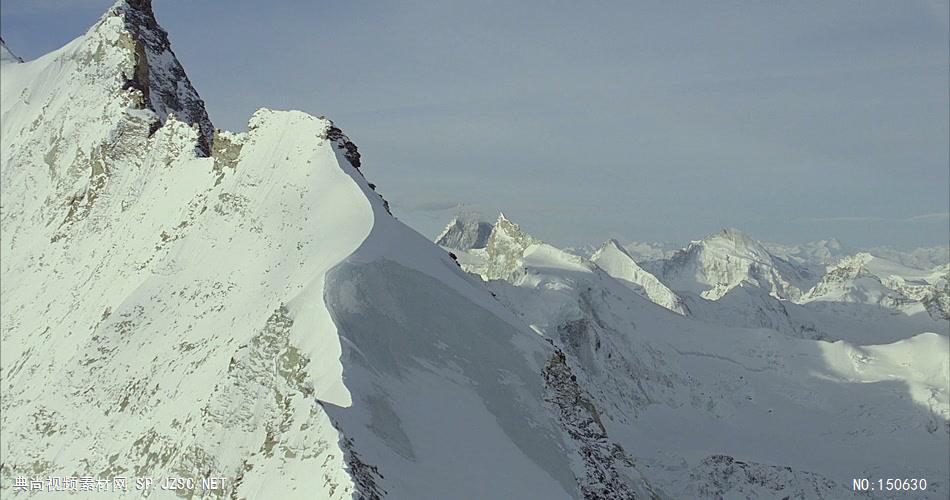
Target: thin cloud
[(932, 217), (937, 216)]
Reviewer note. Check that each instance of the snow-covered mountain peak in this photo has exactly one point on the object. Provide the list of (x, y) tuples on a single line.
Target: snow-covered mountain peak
[(714, 265), (506, 230), (617, 262), (241, 305), (505, 248), (6, 56), (464, 232), (735, 241), (612, 249), (853, 264), (613, 245), (76, 116), (733, 234), (158, 74)]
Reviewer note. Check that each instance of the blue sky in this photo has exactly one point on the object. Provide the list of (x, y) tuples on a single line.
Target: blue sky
[(643, 121)]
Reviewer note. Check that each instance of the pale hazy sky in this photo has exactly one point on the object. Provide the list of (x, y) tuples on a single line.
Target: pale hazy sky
[(645, 121)]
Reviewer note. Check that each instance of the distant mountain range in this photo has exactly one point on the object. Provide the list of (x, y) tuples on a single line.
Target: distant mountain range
[(183, 301), (724, 344)]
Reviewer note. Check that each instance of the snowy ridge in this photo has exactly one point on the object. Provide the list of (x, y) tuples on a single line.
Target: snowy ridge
[(420, 334), (6, 56), (612, 258)]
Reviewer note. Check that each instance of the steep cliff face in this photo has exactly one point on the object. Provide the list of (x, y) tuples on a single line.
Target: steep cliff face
[(157, 72)]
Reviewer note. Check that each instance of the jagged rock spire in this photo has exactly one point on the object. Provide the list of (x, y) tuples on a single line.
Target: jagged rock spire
[(157, 73)]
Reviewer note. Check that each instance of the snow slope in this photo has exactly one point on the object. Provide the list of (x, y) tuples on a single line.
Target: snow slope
[(440, 366), (612, 258)]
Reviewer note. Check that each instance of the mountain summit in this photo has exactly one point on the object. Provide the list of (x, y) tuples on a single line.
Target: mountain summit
[(612, 258), (718, 263), (156, 71)]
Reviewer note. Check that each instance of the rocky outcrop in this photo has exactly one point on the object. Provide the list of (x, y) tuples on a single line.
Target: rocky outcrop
[(342, 142), (156, 73), (505, 249), (722, 476), (610, 472)]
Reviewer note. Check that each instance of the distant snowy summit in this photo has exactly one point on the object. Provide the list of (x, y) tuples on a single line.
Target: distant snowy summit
[(617, 262), (731, 279), (465, 232), (713, 266)]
